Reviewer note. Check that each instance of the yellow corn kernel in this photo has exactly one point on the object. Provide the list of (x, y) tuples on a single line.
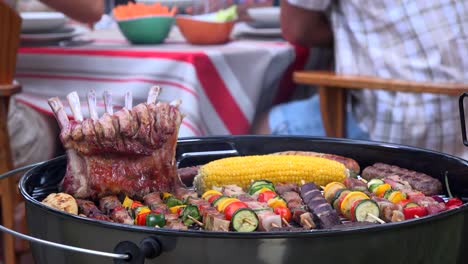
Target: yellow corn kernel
[(275, 168)]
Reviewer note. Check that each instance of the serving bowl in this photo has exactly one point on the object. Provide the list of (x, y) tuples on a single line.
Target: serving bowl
[(202, 32), (147, 29)]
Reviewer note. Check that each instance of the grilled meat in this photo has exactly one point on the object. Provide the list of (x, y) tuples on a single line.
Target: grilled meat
[(355, 185), (187, 174), (89, 209), (112, 207), (314, 199), (130, 152), (417, 180)]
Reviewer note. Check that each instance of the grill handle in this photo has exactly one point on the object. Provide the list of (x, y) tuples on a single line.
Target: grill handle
[(124, 252), (462, 118)]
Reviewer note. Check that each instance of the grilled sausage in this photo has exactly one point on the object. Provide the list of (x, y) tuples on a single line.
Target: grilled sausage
[(418, 181)]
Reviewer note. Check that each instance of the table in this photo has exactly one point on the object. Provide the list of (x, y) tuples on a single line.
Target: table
[(222, 87)]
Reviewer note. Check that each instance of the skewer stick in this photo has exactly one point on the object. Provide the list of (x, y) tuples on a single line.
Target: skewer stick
[(308, 223), (248, 221), (376, 218), (363, 180), (323, 187), (275, 225), (416, 216), (285, 222), (223, 229), (195, 220), (303, 182)]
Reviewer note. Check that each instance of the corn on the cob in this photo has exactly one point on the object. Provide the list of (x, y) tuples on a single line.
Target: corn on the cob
[(275, 168)]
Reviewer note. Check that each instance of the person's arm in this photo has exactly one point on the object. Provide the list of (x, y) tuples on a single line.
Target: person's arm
[(85, 11), (305, 26)]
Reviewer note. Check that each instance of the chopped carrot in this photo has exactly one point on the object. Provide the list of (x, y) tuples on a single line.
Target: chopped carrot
[(132, 10)]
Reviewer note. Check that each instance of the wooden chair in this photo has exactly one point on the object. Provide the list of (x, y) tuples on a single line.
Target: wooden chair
[(10, 26), (332, 90)]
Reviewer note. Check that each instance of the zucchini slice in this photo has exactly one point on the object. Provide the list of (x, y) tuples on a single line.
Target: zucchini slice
[(244, 220), (364, 208), (219, 199), (374, 181), (258, 185)]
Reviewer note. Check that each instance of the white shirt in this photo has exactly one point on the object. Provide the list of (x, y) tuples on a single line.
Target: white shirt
[(415, 40)]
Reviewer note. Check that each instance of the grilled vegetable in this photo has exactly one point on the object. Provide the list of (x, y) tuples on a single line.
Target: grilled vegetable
[(414, 212), (381, 189), (259, 185), (140, 215), (396, 197), (362, 208), (192, 211), (276, 202), (265, 196), (338, 199), (218, 200), (210, 193), (294, 169), (330, 190), (177, 208), (225, 202), (171, 201), (348, 201), (284, 212), (232, 208), (127, 203), (155, 220), (244, 220), (62, 201)]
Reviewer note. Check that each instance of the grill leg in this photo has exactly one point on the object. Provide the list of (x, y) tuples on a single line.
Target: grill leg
[(7, 186)]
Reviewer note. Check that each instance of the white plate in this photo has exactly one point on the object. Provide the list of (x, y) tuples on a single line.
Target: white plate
[(42, 21), (178, 3), (266, 15), (66, 32), (244, 30)]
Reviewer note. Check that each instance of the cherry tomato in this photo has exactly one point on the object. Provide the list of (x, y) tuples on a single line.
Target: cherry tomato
[(412, 212), (284, 212), (454, 202), (232, 208), (265, 196)]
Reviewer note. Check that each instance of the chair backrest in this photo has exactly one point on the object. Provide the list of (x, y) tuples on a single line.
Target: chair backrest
[(10, 28), (332, 88)]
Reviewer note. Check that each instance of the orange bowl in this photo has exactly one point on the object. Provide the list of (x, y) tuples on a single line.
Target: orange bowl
[(202, 32)]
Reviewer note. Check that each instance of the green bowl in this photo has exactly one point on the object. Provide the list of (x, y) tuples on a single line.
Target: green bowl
[(146, 30)]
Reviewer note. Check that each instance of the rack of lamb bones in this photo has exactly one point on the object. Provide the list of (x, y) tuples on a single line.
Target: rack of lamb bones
[(131, 151)]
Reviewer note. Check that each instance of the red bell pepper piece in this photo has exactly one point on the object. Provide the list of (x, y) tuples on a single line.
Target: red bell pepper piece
[(453, 202), (413, 212), (265, 196), (284, 212), (141, 218), (136, 204)]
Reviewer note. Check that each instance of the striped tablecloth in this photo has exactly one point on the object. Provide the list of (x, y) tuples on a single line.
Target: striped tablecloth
[(222, 87)]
